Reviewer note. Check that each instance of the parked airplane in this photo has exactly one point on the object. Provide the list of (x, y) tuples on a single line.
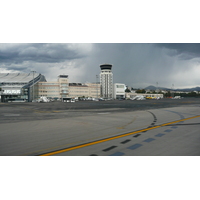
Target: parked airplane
[(141, 98), (43, 99), (138, 98)]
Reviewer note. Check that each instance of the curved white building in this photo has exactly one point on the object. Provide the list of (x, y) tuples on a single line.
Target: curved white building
[(19, 86)]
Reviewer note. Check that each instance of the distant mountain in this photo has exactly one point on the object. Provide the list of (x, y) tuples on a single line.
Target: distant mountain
[(151, 87), (189, 89)]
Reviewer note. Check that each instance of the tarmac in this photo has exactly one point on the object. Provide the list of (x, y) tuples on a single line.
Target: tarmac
[(100, 128)]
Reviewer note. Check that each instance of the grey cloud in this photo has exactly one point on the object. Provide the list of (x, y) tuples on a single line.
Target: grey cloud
[(18, 69), (138, 65), (185, 50), (135, 64), (39, 53)]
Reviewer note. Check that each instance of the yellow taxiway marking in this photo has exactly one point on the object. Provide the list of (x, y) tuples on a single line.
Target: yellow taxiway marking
[(114, 137)]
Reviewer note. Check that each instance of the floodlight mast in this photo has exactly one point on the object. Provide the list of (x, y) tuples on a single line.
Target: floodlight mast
[(33, 83), (97, 84)]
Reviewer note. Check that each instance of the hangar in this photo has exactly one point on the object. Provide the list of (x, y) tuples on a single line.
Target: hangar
[(19, 86)]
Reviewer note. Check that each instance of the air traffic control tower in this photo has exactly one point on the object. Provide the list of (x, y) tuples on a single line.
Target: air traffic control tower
[(106, 81)]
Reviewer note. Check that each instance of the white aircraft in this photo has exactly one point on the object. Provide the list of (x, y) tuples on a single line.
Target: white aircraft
[(135, 98), (141, 98), (138, 98), (43, 99)]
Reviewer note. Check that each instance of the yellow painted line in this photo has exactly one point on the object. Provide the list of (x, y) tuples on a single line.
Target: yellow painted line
[(114, 137)]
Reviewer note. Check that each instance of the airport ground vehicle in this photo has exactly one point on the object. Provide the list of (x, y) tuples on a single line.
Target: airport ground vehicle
[(177, 97), (68, 100), (16, 100)]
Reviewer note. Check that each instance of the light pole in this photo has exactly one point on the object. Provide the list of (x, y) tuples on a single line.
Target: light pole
[(172, 90), (97, 84), (157, 88), (33, 83)]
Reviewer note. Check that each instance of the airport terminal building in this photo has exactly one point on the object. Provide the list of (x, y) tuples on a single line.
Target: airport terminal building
[(31, 87), (53, 90), (19, 86)]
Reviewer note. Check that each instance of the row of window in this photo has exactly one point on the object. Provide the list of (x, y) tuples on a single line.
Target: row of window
[(48, 83), (106, 72), (53, 87), (78, 91), (44, 91), (119, 86), (49, 88), (52, 95)]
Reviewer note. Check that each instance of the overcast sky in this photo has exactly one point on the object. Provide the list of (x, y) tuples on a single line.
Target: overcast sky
[(135, 64), (76, 37)]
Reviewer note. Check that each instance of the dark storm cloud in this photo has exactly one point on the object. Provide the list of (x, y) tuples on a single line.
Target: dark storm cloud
[(47, 53), (187, 50), (22, 69), (142, 64), (135, 64)]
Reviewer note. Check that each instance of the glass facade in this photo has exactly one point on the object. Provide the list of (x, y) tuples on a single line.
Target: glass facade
[(19, 86)]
